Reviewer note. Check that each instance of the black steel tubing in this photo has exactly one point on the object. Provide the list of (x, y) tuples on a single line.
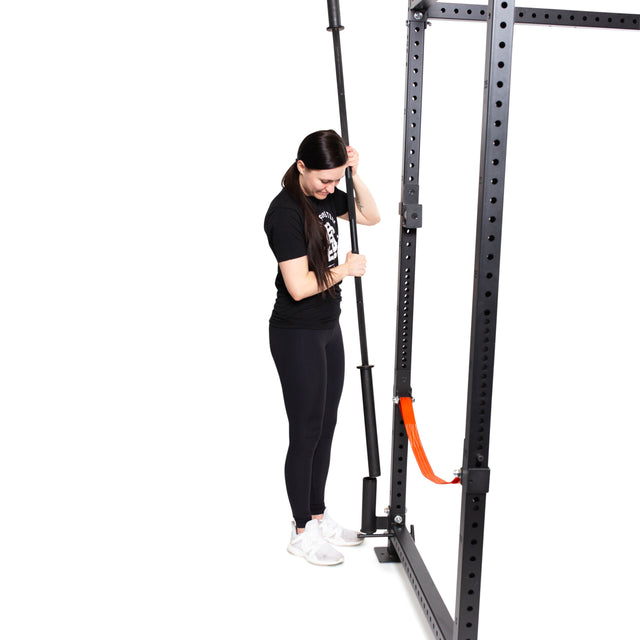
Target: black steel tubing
[(368, 402), (366, 377), (369, 493), (475, 463), (528, 15), (429, 598)]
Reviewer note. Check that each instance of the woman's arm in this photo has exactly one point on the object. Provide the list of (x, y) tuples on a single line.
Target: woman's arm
[(366, 208), (302, 283)]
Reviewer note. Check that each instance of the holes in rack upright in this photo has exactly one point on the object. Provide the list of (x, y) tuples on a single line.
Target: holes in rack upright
[(400, 474), (413, 100), (406, 298), (471, 566), (498, 123)]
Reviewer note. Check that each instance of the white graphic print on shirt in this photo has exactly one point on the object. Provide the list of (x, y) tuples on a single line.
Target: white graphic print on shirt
[(330, 224), (333, 243)]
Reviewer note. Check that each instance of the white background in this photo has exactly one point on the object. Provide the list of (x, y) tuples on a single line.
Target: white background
[(143, 432)]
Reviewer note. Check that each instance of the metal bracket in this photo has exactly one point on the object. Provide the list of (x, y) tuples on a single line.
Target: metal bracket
[(476, 480), (411, 216)]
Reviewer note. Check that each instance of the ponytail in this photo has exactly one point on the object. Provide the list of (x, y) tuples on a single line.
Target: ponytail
[(315, 234)]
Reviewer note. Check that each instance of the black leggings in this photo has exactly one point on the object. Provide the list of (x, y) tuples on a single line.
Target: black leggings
[(310, 364)]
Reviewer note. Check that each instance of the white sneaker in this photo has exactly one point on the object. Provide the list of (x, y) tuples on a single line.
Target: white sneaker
[(311, 546), (335, 534)]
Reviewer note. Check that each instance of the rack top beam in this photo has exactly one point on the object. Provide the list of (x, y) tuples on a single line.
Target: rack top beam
[(527, 15)]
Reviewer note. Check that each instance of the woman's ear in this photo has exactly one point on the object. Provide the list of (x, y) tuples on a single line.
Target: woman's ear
[(300, 166)]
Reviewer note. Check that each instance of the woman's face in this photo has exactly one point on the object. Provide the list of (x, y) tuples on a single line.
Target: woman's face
[(319, 183)]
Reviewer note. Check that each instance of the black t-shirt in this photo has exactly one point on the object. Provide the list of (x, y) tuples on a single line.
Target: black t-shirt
[(284, 227)]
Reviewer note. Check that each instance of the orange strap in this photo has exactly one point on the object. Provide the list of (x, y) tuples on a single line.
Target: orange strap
[(406, 409)]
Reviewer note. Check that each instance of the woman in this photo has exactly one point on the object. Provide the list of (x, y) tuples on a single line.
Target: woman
[(304, 331)]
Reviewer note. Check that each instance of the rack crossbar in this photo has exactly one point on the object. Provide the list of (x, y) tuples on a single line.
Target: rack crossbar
[(528, 15)]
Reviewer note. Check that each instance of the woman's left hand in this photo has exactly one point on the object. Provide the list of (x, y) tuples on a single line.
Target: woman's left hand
[(353, 159)]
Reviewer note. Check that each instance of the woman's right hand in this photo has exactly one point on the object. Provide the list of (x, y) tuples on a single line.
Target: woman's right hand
[(356, 264)]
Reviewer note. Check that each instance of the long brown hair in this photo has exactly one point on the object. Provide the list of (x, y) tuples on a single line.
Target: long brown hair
[(319, 150)]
